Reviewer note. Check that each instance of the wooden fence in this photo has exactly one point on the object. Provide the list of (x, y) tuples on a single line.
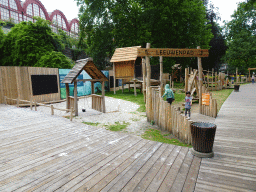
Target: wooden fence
[(168, 117), (97, 102), (211, 109), (31, 103)]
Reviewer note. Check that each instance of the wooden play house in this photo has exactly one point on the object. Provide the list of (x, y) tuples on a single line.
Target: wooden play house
[(38, 84), (130, 68), (250, 69), (98, 101)]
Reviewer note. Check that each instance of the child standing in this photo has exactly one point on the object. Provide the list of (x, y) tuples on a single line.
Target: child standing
[(253, 79), (169, 94), (188, 103)]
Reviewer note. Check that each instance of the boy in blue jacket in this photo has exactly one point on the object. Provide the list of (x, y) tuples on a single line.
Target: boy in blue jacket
[(169, 94)]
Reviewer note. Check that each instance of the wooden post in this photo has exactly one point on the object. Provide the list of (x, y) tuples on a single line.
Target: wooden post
[(236, 76), (200, 71), (35, 106), (67, 97), (186, 80), (52, 110), (170, 80), (103, 96), (212, 77), (148, 94), (92, 87), (31, 104), (216, 82), (18, 102), (114, 72), (249, 75), (75, 98), (172, 84), (71, 113), (161, 75), (144, 78), (135, 91), (208, 78), (5, 100)]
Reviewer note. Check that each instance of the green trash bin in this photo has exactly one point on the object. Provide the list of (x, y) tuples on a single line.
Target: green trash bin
[(203, 138)]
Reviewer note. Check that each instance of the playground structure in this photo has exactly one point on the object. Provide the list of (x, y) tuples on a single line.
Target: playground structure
[(98, 101), (129, 67), (37, 84), (160, 112), (250, 69)]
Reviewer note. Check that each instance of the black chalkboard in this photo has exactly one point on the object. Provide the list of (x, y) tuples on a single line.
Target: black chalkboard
[(44, 84)]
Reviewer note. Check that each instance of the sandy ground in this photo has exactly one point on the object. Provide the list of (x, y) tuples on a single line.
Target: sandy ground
[(117, 110)]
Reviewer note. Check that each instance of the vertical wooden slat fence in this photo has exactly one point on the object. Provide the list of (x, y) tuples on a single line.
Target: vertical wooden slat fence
[(97, 102), (168, 117)]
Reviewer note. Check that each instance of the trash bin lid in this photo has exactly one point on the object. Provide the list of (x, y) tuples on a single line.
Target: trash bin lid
[(204, 125)]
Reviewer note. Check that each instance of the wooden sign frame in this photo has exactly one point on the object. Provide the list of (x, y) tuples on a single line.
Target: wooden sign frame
[(170, 52)]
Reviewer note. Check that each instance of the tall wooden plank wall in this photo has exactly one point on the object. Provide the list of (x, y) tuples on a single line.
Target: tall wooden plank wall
[(16, 81), (44, 71)]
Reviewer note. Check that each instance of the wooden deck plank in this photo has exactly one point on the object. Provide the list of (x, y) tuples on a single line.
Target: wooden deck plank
[(190, 182), (157, 181), (55, 161), (120, 170), (87, 185), (133, 182), (47, 153), (147, 179), (173, 172), (233, 168)]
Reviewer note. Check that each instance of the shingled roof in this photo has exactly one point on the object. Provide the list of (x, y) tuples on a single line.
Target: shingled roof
[(87, 65), (125, 54)]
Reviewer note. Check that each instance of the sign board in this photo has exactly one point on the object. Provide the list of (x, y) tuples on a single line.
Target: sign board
[(166, 52), (205, 98)]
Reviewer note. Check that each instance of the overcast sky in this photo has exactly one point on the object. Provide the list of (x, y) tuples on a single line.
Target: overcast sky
[(70, 9)]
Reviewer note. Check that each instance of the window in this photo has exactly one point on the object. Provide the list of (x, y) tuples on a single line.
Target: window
[(13, 4), (29, 10), (4, 14), (15, 17), (64, 24), (4, 2), (36, 10), (42, 14)]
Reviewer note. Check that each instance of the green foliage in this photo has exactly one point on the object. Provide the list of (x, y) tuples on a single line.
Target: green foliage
[(165, 24), (117, 126), (27, 43), (91, 123), (241, 37), (54, 59), (155, 135)]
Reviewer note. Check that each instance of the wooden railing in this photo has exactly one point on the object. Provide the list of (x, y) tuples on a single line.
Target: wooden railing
[(40, 104), (97, 102), (168, 117)]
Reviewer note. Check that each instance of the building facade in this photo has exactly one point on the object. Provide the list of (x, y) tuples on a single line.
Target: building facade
[(18, 11)]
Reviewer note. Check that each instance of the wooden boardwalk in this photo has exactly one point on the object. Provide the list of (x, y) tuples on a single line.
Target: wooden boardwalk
[(233, 167), (39, 152)]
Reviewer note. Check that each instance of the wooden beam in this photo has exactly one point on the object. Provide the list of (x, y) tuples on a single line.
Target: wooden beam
[(186, 79), (92, 80), (92, 87), (103, 96), (114, 72), (200, 81), (161, 75), (75, 98), (148, 95), (67, 96)]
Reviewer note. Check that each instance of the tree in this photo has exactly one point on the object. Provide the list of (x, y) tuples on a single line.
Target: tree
[(241, 37), (27, 42), (164, 23), (218, 42)]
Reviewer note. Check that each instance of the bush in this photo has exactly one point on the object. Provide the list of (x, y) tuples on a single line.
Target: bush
[(55, 60)]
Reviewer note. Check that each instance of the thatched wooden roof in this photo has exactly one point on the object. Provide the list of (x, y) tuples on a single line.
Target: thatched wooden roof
[(87, 65), (125, 54)]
